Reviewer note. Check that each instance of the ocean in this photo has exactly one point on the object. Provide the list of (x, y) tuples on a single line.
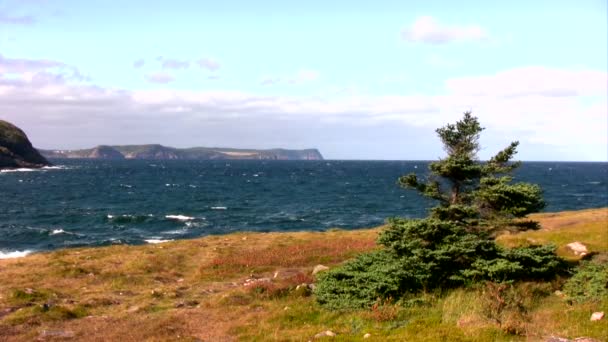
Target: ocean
[(95, 203)]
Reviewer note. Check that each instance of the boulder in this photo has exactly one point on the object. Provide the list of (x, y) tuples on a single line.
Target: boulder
[(596, 316), (326, 333), (55, 334), (319, 268), (578, 248)]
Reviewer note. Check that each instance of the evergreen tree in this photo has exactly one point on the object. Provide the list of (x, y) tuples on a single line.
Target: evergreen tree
[(470, 190), (454, 246)]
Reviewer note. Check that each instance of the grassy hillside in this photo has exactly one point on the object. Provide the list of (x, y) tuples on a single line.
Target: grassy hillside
[(194, 290)]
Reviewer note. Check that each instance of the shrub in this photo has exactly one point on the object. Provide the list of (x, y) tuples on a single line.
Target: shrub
[(589, 283)]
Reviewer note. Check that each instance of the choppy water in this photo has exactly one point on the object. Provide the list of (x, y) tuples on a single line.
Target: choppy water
[(92, 203)]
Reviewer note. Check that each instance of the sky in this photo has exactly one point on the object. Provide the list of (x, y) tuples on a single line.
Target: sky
[(355, 79)]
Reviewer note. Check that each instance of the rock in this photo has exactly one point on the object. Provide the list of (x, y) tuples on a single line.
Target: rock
[(302, 290), (326, 333), (133, 309), (368, 335), (319, 268), (578, 248), (596, 316), (253, 281), (578, 339), (312, 287), (16, 150), (557, 339), (55, 334), (559, 294)]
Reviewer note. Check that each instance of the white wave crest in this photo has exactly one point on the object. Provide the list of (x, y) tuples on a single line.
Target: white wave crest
[(219, 208), (14, 254), (18, 170), (58, 231), (176, 232), (56, 167), (195, 224), (179, 217), (26, 169), (155, 241)]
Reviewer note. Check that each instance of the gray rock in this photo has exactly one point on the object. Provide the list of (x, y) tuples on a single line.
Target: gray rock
[(55, 334), (253, 281), (596, 316), (578, 248), (557, 339), (326, 333), (133, 309), (319, 268)]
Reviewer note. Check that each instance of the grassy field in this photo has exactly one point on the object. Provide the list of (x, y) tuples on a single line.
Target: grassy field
[(194, 290)]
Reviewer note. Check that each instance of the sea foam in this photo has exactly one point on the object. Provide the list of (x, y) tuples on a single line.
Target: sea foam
[(179, 217), (155, 241), (14, 254)]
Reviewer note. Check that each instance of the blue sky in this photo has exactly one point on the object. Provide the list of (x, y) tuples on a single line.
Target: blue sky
[(368, 80)]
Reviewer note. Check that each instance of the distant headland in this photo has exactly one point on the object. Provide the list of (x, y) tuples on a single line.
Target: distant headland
[(160, 152)]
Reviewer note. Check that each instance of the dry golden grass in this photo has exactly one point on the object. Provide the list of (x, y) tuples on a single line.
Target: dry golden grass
[(587, 226), (178, 290), (193, 290)]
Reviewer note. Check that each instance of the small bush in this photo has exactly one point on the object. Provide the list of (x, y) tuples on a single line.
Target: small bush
[(360, 282), (589, 283), (428, 254), (30, 296), (509, 305), (384, 311)]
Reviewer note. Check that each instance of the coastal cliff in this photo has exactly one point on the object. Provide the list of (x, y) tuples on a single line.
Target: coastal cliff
[(160, 152), (16, 150)]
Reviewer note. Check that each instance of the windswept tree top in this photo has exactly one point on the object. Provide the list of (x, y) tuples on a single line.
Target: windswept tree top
[(467, 188)]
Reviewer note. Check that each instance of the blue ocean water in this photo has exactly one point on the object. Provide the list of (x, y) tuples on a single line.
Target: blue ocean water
[(92, 202)]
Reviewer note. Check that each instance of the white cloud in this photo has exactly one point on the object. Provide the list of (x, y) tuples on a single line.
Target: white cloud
[(16, 20), (139, 63), (209, 64), (427, 29), (520, 103), (19, 65), (171, 63), (533, 81), (160, 77)]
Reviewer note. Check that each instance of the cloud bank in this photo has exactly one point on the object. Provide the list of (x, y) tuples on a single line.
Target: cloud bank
[(427, 29), (561, 110)]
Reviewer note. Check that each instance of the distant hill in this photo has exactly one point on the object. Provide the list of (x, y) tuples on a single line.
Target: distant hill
[(16, 150), (161, 152)]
